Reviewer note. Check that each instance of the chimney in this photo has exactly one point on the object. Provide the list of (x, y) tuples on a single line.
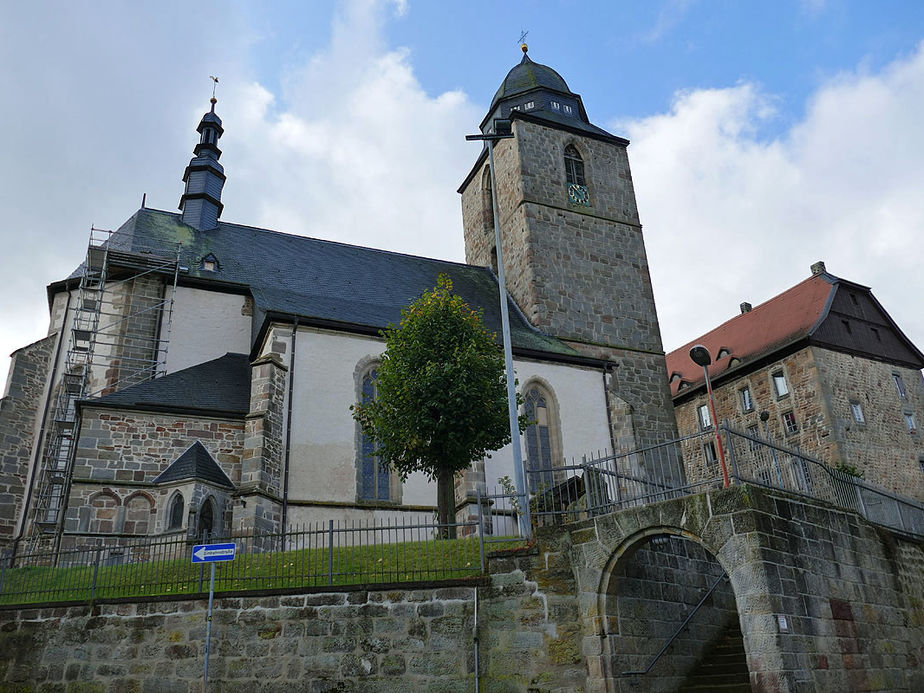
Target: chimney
[(818, 268), (746, 307)]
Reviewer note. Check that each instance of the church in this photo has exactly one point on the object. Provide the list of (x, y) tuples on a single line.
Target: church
[(198, 374)]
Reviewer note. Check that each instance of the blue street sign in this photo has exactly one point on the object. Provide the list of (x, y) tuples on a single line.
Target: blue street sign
[(212, 553)]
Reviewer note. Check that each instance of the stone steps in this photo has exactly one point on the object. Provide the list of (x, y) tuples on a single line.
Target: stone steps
[(723, 668)]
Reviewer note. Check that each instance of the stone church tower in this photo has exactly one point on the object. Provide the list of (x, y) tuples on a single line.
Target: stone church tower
[(574, 254)]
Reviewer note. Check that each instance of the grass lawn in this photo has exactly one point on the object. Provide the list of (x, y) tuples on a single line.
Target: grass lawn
[(432, 559)]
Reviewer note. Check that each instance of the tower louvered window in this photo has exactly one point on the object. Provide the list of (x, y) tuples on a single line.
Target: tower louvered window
[(578, 193)]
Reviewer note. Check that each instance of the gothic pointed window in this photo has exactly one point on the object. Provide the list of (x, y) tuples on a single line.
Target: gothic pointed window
[(374, 474), (540, 436), (578, 193), (206, 523), (175, 518)]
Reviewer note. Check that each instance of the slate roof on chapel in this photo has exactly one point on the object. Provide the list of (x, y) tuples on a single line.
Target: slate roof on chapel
[(195, 463), (340, 284), (219, 386)]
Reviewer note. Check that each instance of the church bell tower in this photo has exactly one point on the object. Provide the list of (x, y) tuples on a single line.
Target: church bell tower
[(573, 250)]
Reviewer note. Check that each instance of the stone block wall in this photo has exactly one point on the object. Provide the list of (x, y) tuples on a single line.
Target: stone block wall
[(393, 639), (653, 592), (19, 414), (822, 385), (120, 452), (132, 328), (578, 273), (881, 447)]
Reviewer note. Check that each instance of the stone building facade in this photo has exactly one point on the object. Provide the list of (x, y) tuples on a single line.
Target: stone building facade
[(844, 386), (259, 342)]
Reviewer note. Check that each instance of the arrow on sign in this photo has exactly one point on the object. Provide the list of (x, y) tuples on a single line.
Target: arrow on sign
[(210, 553)]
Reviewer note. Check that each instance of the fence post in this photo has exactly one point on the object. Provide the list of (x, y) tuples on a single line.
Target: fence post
[(99, 551), (731, 450), (7, 558), (480, 528), (330, 552)]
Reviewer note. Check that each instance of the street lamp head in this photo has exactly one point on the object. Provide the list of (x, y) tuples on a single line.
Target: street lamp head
[(700, 355), (764, 416), (503, 127)]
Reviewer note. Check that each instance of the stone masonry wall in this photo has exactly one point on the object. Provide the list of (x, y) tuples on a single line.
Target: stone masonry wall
[(805, 399), (578, 273), (851, 593), (653, 591), (376, 640), (120, 452), (881, 447), (19, 412), (822, 385)]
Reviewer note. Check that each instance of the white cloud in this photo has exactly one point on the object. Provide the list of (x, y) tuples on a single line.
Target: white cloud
[(730, 216), (351, 149)]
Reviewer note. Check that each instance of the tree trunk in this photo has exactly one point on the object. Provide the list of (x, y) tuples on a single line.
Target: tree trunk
[(446, 503)]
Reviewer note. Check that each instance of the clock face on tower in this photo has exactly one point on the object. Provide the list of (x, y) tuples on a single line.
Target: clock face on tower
[(578, 194)]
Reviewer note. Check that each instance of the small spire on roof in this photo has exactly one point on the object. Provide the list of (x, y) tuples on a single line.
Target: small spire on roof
[(213, 100)]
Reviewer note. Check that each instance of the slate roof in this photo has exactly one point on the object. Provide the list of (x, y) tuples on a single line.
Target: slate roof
[(196, 463), (220, 386), (526, 76), (321, 280)]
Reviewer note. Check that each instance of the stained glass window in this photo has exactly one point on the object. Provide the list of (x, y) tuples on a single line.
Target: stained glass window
[(538, 441), (375, 476)]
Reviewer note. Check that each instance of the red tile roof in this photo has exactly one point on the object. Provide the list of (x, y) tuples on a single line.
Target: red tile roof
[(780, 321)]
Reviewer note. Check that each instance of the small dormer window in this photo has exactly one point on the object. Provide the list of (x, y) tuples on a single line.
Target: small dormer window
[(556, 106), (209, 263), (530, 105), (567, 109)]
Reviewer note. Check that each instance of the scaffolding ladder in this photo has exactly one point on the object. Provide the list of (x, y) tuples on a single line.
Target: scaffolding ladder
[(118, 336)]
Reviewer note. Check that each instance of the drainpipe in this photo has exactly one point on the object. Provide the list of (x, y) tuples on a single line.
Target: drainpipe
[(285, 464), (36, 454), (475, 638)]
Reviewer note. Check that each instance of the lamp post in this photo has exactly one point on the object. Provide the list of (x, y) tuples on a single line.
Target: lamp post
[(701, 357), (502, 131)]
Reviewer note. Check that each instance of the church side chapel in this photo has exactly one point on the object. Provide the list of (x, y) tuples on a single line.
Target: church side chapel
[(198, 374)]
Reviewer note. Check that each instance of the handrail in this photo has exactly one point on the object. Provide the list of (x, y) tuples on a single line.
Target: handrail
[(678, 631)]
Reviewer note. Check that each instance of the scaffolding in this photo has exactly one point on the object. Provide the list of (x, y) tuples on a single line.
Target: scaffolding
[(117, 336)]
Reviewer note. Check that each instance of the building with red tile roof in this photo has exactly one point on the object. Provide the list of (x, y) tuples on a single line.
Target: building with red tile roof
[(836, 376)]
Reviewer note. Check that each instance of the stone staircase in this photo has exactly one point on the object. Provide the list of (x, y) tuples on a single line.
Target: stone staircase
[(724, 668)]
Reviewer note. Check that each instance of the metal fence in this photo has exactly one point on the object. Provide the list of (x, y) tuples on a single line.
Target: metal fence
[(612, 482), (758, 461), (323, 554), (605, 483)]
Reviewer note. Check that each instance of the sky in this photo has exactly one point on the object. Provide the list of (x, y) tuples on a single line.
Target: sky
[(764, 136)]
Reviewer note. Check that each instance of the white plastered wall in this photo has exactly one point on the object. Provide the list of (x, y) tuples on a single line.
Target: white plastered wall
[(206, 325), (324, 438)]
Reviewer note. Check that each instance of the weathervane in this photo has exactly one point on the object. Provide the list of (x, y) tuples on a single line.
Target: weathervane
[(215, 80), (522, 36)]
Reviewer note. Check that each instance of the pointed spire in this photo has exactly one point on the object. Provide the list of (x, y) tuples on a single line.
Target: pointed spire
[(204, 176)]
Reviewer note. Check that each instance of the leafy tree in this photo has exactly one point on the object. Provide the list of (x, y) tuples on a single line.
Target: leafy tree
[(442, 396)]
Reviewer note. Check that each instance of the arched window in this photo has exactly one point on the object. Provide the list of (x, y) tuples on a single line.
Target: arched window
[(574, 166), (175, 513), (205, 527), (487, 203), (540, 439), (374, 476), (578, 193)]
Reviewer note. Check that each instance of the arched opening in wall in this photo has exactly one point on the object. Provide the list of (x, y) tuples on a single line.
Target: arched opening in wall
[(487, 204), (175, 512), (542, 437), (139, 514), (668, 590), (207, 521), (105, 515)]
